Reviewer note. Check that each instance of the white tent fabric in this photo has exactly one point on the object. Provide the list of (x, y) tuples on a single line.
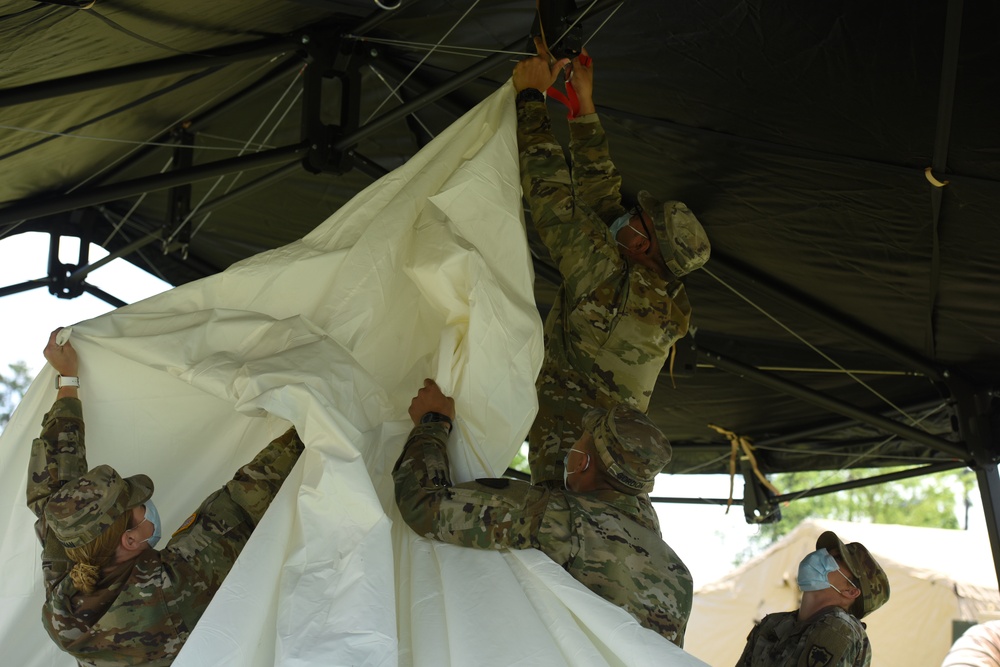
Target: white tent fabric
[(424, 274), (935, 576)]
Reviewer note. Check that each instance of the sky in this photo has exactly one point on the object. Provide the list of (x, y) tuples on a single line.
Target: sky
[(704, 536)]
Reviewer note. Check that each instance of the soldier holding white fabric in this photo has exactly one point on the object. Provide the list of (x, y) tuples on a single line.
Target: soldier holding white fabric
[(622, 304), (595, 527), (110, 597)]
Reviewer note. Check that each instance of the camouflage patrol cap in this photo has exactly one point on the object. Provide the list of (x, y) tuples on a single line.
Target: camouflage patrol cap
[(80, 511), (683, 241), (871, 577), (631, 451)]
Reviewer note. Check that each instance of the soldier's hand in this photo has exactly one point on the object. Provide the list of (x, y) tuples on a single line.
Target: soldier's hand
[(430, 398), (582, 78), (538, 72), (62, 357)]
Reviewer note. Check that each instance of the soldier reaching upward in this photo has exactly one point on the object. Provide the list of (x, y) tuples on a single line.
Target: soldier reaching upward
[(622, 305), (110, 597), (595, 527)]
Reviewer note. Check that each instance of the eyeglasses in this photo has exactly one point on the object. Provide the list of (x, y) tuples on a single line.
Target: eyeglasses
[(638, 210)]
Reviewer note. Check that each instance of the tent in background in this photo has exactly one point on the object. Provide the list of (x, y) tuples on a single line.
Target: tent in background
[(936, 576)]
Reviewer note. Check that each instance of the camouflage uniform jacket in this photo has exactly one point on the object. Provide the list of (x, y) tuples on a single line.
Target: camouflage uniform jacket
[(831, 638), (142, 611), (604, 539), (613, 323)]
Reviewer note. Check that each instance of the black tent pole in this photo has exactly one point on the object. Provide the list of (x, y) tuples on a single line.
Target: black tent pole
[(49, 204), (840, 407), (44, 90)]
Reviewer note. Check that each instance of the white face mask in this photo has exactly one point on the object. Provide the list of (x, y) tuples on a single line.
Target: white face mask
[(566, 472)]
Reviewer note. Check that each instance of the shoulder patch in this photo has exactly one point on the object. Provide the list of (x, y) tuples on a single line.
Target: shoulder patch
[(818, 657), (187, 524)]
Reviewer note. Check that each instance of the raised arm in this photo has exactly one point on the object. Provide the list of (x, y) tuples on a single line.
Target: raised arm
[(487, 513)]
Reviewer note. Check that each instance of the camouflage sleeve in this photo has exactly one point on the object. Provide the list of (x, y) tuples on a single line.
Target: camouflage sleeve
[(595, 178), (576, 237), (57, 456), (201, 553), (486, 514), (746, 658), (255, 484)]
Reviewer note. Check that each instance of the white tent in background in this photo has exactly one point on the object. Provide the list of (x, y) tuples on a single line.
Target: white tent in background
[(424, 274), (936, 576)]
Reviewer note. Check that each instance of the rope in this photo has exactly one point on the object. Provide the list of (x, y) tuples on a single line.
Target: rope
[(417, 66), (812, 347), (741, 443), (70, 135), (244, 149)]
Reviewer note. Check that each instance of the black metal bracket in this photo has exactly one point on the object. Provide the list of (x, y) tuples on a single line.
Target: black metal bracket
[(331, 57), (759, 504)]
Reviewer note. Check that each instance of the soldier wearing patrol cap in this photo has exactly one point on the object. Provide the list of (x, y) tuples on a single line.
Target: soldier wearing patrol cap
[(110, 597), (841, 584), (596, 526), (622, 304)]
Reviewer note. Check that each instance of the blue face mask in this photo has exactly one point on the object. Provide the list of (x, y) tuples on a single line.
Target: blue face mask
[(813, 571), (619, 224), (153, 516)]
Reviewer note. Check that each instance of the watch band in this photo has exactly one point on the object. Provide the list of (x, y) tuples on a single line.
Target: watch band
[(529, 95), (431, 417), (67, 381)]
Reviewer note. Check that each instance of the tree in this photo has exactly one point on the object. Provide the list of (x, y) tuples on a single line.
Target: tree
[(929, 501), (12, 388)]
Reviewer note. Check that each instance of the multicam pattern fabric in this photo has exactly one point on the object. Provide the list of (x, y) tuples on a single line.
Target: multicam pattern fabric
[(831, 638), (142, 611), (613, 323), (870, 576), (607, 540)]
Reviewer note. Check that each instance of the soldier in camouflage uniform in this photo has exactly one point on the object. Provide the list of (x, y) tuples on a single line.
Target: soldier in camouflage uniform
[(826, 630), (622, 304), (131, 604), (595, 527)]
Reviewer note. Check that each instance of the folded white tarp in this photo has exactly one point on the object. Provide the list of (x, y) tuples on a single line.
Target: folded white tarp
[(424, 274)]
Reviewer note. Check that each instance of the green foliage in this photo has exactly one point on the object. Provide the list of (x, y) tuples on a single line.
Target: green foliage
[(928, 501), (520, 462), (12, 388)]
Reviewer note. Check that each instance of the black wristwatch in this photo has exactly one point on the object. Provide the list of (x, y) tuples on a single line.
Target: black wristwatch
[(431, 417), (529, 95)]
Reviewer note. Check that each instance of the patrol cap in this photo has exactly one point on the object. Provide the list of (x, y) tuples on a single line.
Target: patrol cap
[(84, 507), (871, 577), (683, 241), (631, 451)]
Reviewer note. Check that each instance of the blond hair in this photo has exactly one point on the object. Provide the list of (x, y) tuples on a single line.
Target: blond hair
[(91, 557)]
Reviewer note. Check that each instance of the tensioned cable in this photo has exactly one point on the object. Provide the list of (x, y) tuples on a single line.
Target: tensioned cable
[(399, 98), (260, 146), (70, 135), (812, 347), (594, 34), (246, 147), (573, 24), (417, 66), (236, 179), (427, 46), (187, 115), (860, 457), (138, 201)]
